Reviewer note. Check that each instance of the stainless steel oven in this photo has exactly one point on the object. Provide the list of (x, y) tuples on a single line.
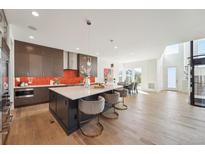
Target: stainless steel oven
[(24, 92)]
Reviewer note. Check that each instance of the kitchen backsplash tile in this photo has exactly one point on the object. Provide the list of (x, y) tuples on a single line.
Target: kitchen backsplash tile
[(69, 77)]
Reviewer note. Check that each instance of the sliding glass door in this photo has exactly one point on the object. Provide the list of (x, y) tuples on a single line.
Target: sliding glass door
[(199, 85)]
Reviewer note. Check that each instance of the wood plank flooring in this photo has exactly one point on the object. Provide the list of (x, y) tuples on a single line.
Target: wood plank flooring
[(152, 118)]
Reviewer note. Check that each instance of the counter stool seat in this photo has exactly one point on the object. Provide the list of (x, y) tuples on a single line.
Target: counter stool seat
[(111, 99), (123, 93), (91, 108)]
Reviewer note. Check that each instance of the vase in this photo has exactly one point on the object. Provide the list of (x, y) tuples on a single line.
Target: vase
[(87, 82)]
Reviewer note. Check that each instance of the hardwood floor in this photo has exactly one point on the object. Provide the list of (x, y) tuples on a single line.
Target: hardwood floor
[(152, 118)]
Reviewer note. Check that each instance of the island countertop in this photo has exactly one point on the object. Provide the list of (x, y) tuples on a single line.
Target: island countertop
[(78, 92)]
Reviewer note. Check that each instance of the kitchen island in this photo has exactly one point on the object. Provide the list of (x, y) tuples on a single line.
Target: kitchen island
[(63, 103)]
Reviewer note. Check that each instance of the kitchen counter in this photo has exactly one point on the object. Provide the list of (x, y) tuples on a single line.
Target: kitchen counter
[(47, 85), (34, 86), (77, 92), (63, 104)]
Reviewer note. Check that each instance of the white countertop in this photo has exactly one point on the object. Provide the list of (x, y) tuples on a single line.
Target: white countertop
[(78, 92), (45, 85)]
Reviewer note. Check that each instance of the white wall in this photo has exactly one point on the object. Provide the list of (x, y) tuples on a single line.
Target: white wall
[(178, 60), (155, 70), (175, 60), (160, 72), (149, 72)]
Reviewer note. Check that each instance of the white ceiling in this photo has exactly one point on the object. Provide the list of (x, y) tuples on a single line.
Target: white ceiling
[(139, 34)]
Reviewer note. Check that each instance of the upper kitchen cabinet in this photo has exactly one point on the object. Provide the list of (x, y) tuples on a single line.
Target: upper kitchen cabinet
[(57, 67), (70, 60), (87, 65), (35, 60), (21, 59)]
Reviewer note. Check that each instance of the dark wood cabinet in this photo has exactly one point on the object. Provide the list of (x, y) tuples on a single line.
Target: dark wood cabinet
[(62, 109), (40, 95), (57, 63), (47, 63), (21, 61), (52, 101), (87, 63), (35, 60)]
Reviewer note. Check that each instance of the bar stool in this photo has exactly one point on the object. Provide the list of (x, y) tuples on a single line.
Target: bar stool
[(123, 93), (91, 108), (111, 99)]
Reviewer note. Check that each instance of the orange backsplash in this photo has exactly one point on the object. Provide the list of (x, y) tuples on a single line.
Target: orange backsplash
[(69, 77)]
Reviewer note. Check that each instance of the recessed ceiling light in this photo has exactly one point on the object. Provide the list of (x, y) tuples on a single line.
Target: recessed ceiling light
[(77, 48), (31, 37), (35, 14), (115, 47)]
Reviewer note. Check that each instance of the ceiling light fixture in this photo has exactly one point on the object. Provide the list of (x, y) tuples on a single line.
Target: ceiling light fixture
[(31, 37), (35, 14), (77, 48), (115, 47)]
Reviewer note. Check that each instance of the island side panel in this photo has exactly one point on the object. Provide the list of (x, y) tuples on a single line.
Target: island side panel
[(64, 111)]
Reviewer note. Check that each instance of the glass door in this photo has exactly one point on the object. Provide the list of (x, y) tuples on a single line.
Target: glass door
[(199, 85), (172, 78)]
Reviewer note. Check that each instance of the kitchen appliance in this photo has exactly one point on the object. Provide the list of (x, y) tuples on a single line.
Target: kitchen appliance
[(24, 92), (5, 104)]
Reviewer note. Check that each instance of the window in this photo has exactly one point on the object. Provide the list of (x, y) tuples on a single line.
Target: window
[(130, 75), (172, 49), (201, 47)]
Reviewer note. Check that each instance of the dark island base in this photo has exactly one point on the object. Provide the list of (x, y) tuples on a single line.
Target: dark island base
[(65, 111)]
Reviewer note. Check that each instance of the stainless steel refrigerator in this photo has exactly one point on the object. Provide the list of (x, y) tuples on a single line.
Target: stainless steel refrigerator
[(5, 104)]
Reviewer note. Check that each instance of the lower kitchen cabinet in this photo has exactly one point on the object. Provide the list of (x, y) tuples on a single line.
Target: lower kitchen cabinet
[(30, 96), (52, 102), (41, 94), (65, 111), (62, 109)]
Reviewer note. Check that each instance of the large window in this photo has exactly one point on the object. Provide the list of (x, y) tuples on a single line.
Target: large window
[(172, 49), (201, 46), (130, 75)]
